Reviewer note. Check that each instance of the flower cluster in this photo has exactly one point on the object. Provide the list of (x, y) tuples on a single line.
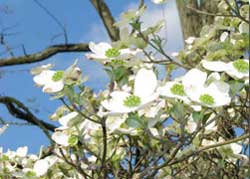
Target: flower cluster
[(140, 120)]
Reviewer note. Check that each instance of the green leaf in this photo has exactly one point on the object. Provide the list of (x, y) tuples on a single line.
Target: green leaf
[(197, 116), (30, 174), (134, 121), (235, 87), (178, 111), (73, 140)]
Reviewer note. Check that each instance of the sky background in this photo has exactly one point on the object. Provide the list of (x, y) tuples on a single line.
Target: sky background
[(34, 29)]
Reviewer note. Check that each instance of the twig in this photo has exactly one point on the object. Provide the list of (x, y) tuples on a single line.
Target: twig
[(55, 19)]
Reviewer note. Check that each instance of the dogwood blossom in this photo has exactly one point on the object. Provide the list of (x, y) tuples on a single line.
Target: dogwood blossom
[(105, 52), (51, 81), (22, 151), (173, 89), (61, 138), (144, 93), (238, 69), (159, 1), (214, 95), (42, 166), (66, 119)]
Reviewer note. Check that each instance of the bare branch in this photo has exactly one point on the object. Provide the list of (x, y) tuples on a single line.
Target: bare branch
[(20, 111), (54, 18), (45, 54), (107, 19)]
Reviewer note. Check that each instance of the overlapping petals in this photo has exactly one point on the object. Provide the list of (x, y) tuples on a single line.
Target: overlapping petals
[(144, 93)]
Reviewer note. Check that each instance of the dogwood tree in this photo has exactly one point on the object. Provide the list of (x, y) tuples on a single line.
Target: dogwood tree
[(142, 126)]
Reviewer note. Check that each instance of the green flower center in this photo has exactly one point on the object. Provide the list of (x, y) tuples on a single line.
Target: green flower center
[(117, 62), (178, 89), (112, 52), (241, 66), (207, 99), (58, 76), (132, 101)]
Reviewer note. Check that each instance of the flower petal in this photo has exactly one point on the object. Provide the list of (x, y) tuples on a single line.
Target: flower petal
[(41, 167), (218, 66), (145, 83), (65, 119), (44, 77), (53, 87), (60, 138)]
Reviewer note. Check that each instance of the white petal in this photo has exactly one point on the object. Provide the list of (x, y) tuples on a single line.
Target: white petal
[(60, 138), (174, 54), (244, 28), (213, 77), (44, 77), (52, 159), (166, 91), (128, 53), (159, 1), (236, 148), (154, 132), (219, 86), (191, 125), (22, 151), (145, 83), (41, 167), (114, 122), (65, 119), (231, 71), (218, 66), (190, 40), (220, 92), (99, 48), (223, 36), (116, 103), (53, 87), (194, 77), (193, 82)]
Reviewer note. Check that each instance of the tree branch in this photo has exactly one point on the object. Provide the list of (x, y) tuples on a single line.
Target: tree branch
[(45, 54), (20, 111), (107, 19)]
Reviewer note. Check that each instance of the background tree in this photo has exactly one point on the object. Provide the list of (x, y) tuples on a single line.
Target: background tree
[(188, 147)]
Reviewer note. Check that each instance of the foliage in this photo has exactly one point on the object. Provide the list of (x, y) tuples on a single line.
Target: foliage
[(143, 127)]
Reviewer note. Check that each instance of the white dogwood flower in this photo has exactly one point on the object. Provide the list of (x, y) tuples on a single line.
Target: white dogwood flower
[(105, 52), (22, 151), (66, 119), (190, 40), (217, 66), (159, 1), (193, 81), (144, 93), (214, 95), (236, 148), (42, 166), (114, 122), (173, 89), (51, 81), (238, 69), (60, 138)]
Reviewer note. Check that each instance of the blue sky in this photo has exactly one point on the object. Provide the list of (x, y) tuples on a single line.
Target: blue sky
[(35, 30)]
